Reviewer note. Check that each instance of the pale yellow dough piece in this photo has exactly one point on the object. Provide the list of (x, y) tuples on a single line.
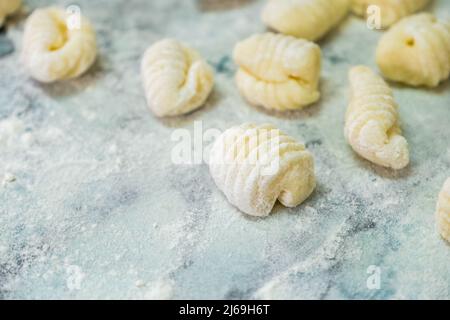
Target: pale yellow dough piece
[(416, 51), (307, 19), (391, 10), (443, 211), (8, 7), (54, 51), (256, 165), (176, 79), (371, 123), (278, 72)]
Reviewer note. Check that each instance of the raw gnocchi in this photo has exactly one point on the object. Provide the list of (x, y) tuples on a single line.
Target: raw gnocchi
[(390, 10), (307, 19), (443, 211), (278, 72), (371, 124), (8, 7), (256, 165), (176, 79), (416, 51), (54, 50)]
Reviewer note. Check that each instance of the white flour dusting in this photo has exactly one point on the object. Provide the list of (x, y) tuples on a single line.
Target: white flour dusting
[(97, 209), (159, 290)]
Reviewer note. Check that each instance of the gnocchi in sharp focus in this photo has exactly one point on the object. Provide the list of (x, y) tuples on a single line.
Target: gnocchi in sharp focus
[(176, 79), (307, 19), (254, 165), (55, 50), (278, 72), (416, 51), (390, 10), (8, 7), (443, 211), (371, 123)]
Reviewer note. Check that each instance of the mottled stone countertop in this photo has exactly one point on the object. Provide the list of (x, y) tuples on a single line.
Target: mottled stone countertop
[(93, 207)]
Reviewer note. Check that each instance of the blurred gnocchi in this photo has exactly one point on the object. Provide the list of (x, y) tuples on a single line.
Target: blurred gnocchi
[(54, 51), (8, 7), (390, 11), (256, 165), (278, 72), (416, 51), (176, 79), (307, 19), (443, 211), (371, 123)]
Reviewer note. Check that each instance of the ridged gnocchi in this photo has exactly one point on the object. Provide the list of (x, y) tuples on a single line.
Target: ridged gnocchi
[(278, 72), (8, 7), (176, 79), (391, 11), (416, 51), (53, 50), (371, 123), (307, 19), (443, 211), (256, 165)]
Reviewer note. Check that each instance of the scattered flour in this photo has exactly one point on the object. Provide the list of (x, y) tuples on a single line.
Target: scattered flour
[(89, 115), (27, 139), (139, 283), (159, 290), (14, 134), (322, 259), (112, 148), (11, 130), (53, 133), (75, 276), (7, 178)]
